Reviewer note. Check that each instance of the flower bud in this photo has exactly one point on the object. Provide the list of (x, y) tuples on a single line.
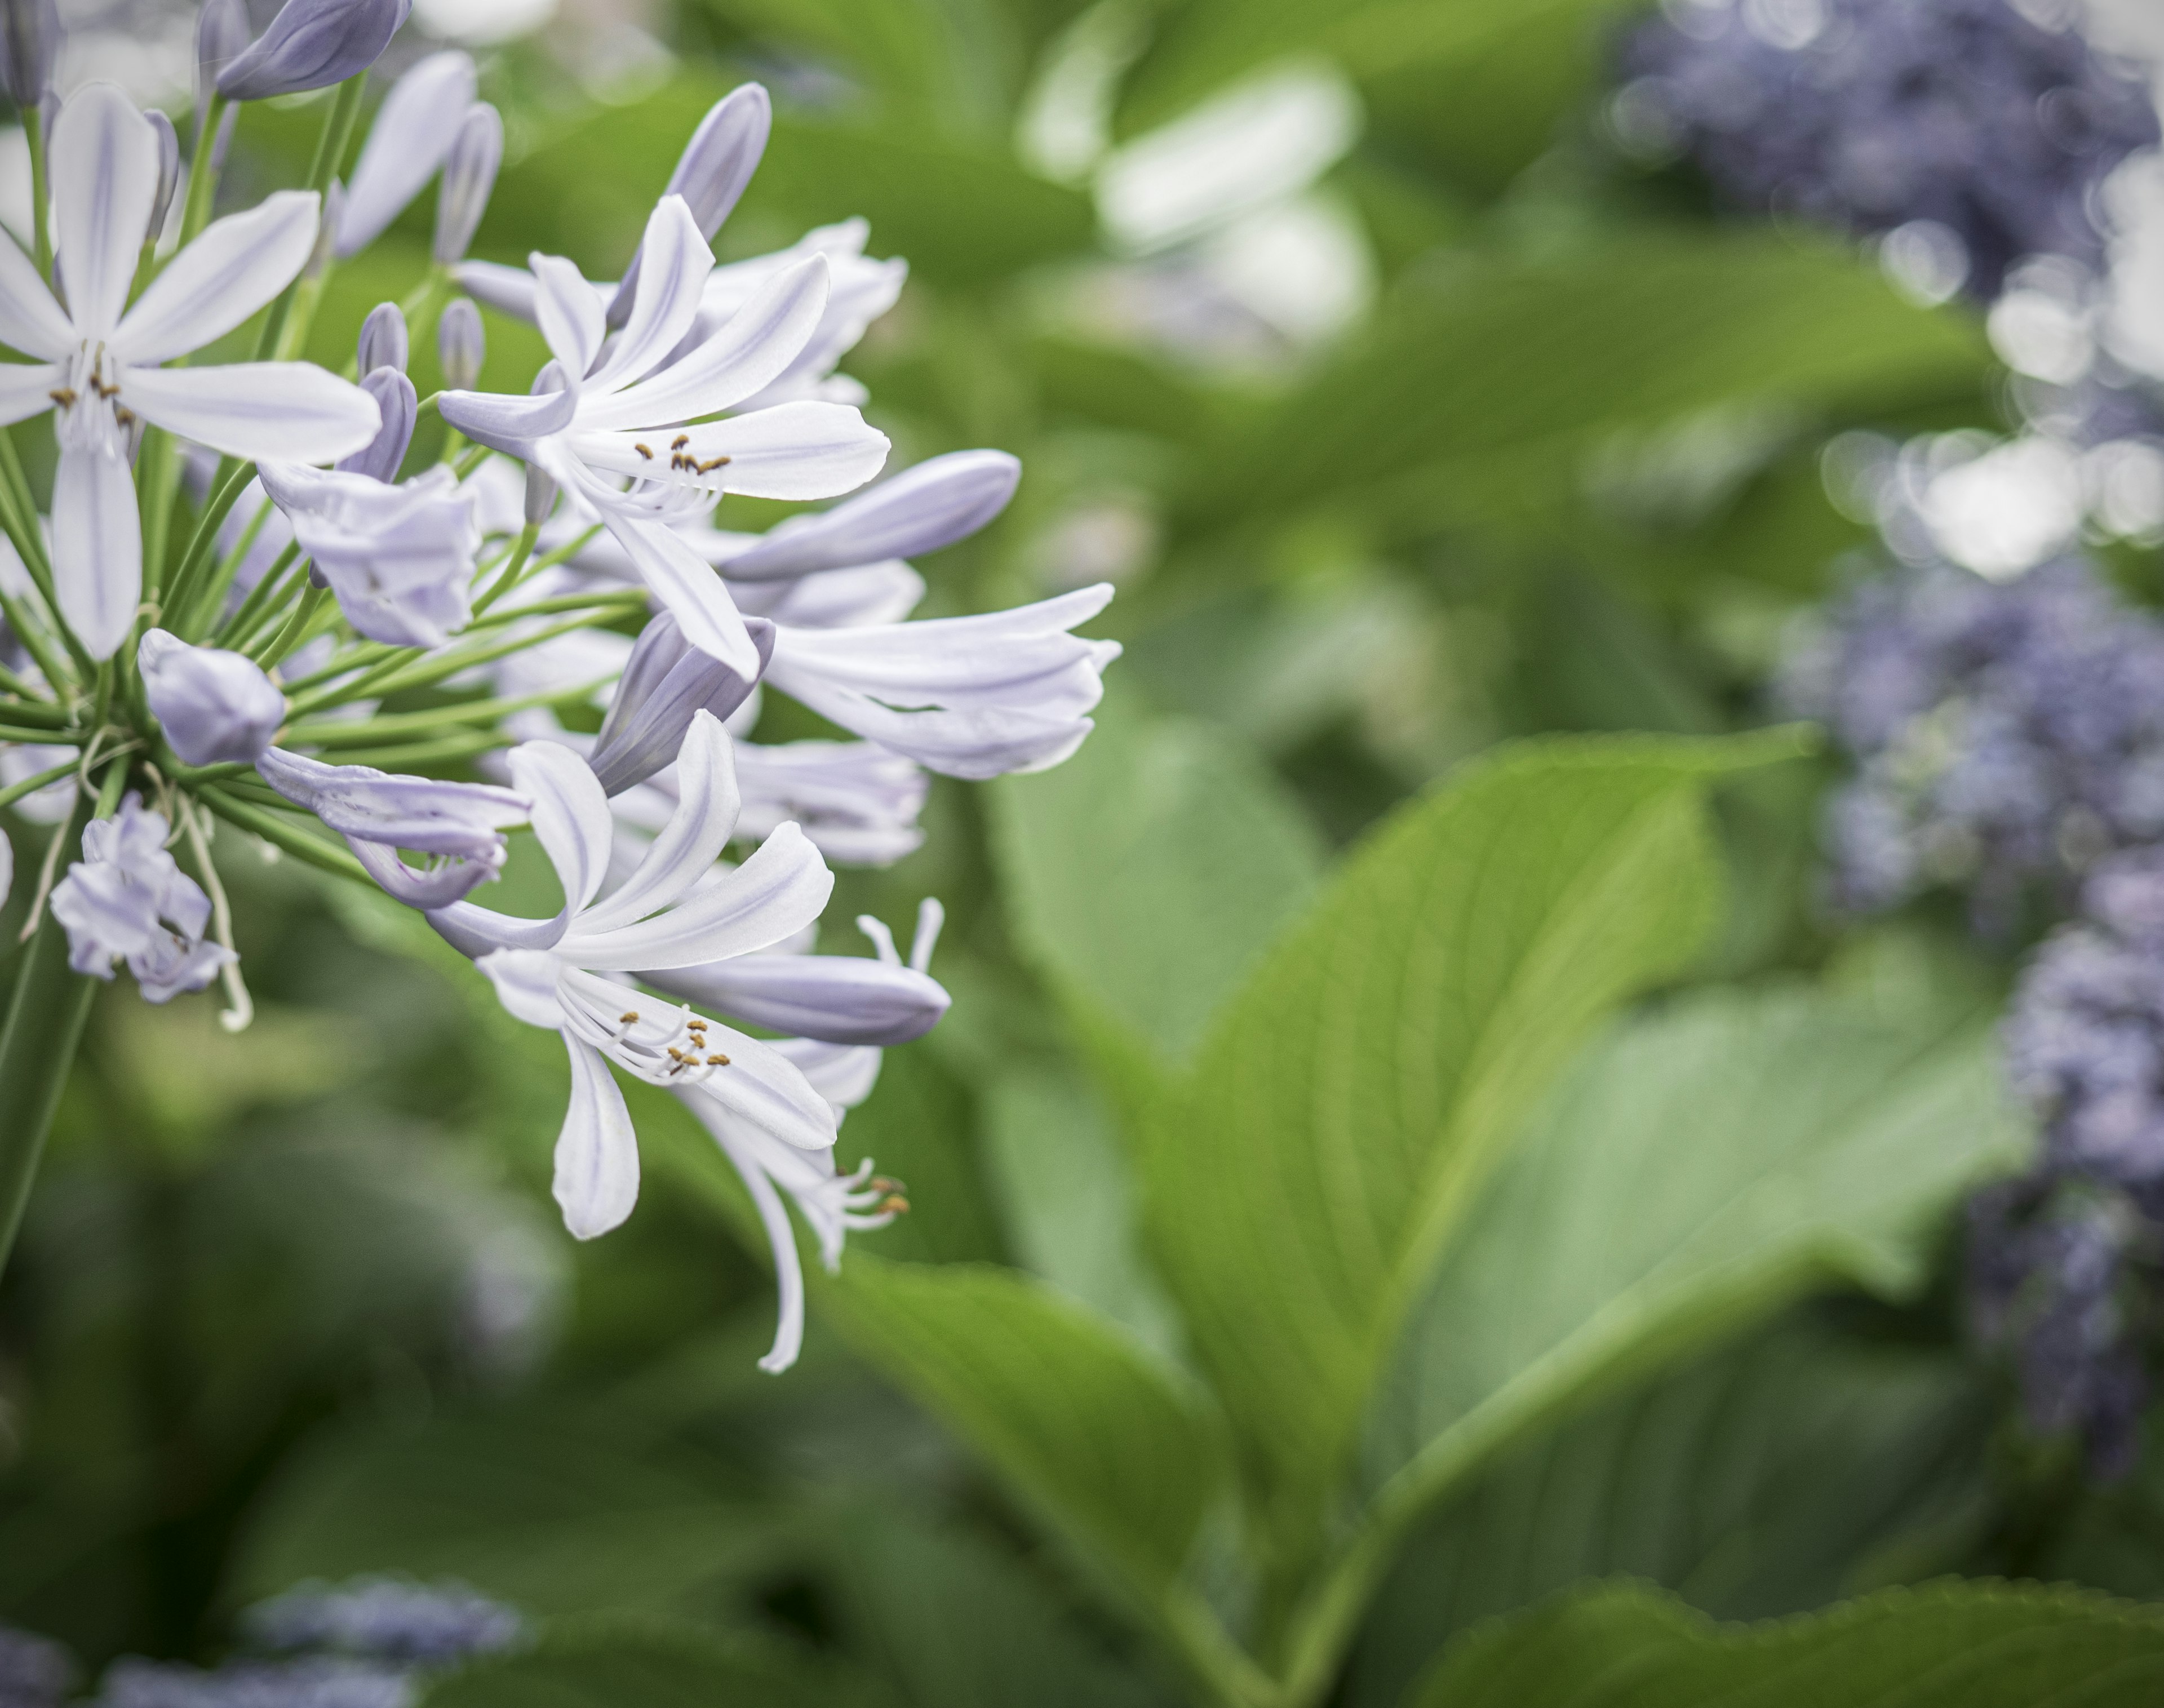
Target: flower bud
[(221, 37), (665, 682), (710, 174), (413, 130), (312, 44), (215, 705), (224, 140), (469, 175), (379, 457), (461, 346), (383, 339), (29, 42), (540, 494), (169, 172)]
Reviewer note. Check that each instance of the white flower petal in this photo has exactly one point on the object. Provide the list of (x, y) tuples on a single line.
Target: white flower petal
[(764, 1088), (105, 179), (781, 889), (597, 1152), (505, 423), (413, 131), (97, 548), (793, 450), (30, 320), (693, 594), (569, 313), (697, 832), (291, 412), (570, 816), (525, 981), (674, 262), (753, 347), (919, 510), (507, 290), (236, 266), (773, 1217), (26, 389)]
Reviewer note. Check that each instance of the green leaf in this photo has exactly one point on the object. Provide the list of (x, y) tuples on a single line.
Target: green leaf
[(1146, 875), (1772, 1478), (619, 1663), (1375, 1065), (1088, 1429), (917, 1127), (1951, 1645), (1507, 366)]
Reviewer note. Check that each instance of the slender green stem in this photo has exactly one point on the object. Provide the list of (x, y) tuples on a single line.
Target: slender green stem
[(265, 597), (157, 480), (504, 583), (330, 151), (32, 633), (41, 704), (299, 626), (280, 833), (362, 732), (436, 666), (33, 128), (43, 737), (202, 545), (420, 753), (203, 604), (43, 780), (44, 1026), (202, 181)]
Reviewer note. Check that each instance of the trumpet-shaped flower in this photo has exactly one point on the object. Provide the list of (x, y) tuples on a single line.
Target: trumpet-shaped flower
[(99, 366), (832, 1204), (571, 973), (458, 826), (128, 899), (611, 434)]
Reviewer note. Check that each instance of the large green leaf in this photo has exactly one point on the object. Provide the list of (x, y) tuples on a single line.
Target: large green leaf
[(616, 1662), (1504, 370), (1951, 1645), (1088, 1429), (1146, 875), (1375, 1064), (1772, 1478)]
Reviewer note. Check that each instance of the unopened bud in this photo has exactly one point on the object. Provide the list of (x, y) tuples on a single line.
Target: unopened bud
[(469, 175), (221, 37), (395, 401), (710, 174), (312, 44), (540, 494), (461, 346), (29, 42), (216, 706), (169, 172), (382, 339), (413, 131)]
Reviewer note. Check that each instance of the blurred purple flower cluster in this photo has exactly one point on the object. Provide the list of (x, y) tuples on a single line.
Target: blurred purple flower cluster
[(1965, 115)]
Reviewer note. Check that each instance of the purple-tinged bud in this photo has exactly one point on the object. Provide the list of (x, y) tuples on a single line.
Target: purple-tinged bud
[(469, 175), (29, 42), (222, 34), (216, 706), (711, 175), (379, 457), (461, 345), (383, 342), (919, 510), (665, 682), (413, 130), (540, 495), (312, 44), (169, 172)]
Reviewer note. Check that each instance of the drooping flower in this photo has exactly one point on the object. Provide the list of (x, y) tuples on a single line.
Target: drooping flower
[(609, 435), (571, 973), (214, 706), (459, 827), (98, 366), (413, 130), (128, 899)]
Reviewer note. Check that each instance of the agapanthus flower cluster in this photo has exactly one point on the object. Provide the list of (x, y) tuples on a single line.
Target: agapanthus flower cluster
[(321, 614), (372, 1642), (1981, 130), (2005, 735)]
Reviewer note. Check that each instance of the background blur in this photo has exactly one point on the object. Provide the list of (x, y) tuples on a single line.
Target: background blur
[(1418, 395)]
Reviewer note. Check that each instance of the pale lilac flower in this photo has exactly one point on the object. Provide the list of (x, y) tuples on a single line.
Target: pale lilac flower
[(100, 366), (858, 803), (461, 344), (312, 44), (458, 826), (395, 396), (832, 1204), (29, 43), (387, 1619), (214, 706), (469, 175), (315, 1681), (222, 36), (35, 1672), (664, 683), (414, 129), (855, 1000), (608, 434), (969, 696), (399, 558), (711, 173), (383, 341), (571, 973), (919, 510), (128, 899)]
